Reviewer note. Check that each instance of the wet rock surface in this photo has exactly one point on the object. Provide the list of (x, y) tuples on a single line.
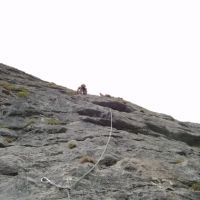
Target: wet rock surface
[(46, 130)]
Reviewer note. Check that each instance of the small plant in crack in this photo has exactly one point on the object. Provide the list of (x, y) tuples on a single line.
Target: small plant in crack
[(72, 144), (53, 121), (22, 94), (196, 186), (87, 159), (179, 161)]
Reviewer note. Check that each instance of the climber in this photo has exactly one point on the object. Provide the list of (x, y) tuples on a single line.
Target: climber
[(82, 89)]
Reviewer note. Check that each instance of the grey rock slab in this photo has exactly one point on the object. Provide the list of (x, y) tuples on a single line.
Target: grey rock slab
[(9, 165), (150, 155)]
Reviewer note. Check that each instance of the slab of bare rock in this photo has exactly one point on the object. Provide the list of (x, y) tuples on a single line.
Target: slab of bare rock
[(3, 143), (48, 131), (9, 165), (8, 133)]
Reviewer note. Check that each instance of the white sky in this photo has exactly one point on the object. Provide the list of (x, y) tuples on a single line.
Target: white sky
[(147, 52)]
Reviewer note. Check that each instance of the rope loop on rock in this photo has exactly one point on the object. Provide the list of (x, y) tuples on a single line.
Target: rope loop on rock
[(48, 181)]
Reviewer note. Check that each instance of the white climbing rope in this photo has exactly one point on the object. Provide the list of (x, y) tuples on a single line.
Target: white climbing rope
[(102, 154), (48, 181)]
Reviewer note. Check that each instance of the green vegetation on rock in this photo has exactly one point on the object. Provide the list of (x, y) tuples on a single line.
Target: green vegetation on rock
[(72, 144), (196, 145), (196, 186), (179, 161), (7, 85), (19, 90), (53, 121), (22, 94), (3, 126)]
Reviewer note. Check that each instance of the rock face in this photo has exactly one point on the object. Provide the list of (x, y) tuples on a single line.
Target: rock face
[(48, 131)]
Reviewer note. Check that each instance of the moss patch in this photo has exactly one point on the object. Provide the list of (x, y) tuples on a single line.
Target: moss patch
[(7, 85), (196, 186), (19, 90), (72, 144), (179, 161), (54, 121), (196, 145), (3, 126), (22, 94)]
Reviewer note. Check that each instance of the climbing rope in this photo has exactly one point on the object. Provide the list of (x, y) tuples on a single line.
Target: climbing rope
[(68, 188)]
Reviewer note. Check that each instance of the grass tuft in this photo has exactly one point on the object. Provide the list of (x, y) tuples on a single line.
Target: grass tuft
[(20, 91), (22, 94), (179, 161), (7, 85), (87, 159)]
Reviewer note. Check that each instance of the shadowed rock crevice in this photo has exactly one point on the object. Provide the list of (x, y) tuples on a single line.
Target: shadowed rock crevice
[(26, 113), (90, 112), (23, 109), (9, 166), (189, 139), (108, 161), (9, 172), (115, 105), (118, 124)]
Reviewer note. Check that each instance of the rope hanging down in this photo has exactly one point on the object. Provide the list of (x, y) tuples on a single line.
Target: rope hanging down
[(47, 181)]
